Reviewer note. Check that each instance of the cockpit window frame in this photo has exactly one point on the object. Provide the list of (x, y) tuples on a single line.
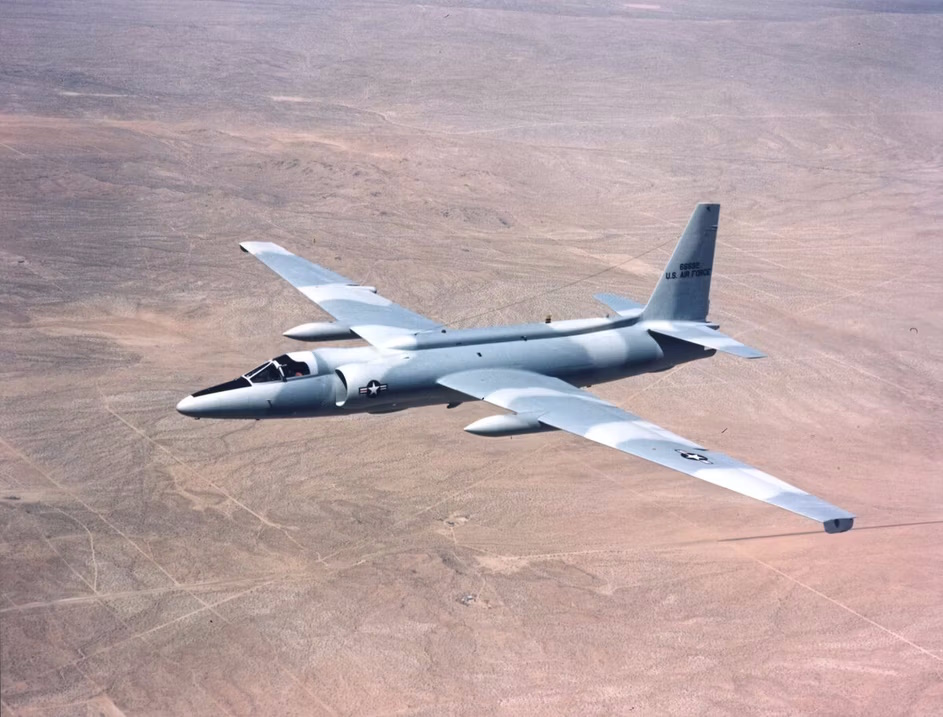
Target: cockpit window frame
[(258, 368), (291, 368), (266, 368), (285, 366)]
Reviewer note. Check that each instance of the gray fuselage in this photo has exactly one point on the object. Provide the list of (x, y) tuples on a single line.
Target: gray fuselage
[(338, 381)]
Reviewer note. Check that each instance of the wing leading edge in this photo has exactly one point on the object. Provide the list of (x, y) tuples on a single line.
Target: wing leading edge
[(563, 406), (369, 315)]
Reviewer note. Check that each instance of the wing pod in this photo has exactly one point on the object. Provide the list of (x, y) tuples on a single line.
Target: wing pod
[(320, 331), (511, 424)]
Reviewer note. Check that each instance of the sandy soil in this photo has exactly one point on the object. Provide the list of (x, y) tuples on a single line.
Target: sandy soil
[(485, 164)]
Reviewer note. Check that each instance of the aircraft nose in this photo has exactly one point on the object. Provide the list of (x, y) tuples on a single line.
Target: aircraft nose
[(188, 407), (230, 403)]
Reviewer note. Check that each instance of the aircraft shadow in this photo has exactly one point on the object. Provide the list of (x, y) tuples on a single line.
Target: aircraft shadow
[(816, 532)]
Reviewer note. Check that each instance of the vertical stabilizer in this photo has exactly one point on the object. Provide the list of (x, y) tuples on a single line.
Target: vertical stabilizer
[(682, 292)]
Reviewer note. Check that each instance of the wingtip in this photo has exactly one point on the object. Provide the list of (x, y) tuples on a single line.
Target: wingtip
[(262, 247), (839, 525)]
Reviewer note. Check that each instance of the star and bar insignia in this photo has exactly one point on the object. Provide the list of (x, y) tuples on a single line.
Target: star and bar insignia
[(693, 456), (373, 389)]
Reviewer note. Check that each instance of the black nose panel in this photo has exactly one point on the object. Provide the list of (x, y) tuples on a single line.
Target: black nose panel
[(241, 382)]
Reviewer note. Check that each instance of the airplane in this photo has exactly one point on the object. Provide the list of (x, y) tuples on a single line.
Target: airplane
[(534, 371)]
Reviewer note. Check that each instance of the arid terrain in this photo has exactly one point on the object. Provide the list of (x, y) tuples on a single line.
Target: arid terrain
[(481, 163)]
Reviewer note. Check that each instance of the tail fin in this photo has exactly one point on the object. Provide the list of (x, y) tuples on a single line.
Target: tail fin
[(682, 292)]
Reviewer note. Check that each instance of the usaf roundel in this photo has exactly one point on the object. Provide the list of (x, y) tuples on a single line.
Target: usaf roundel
[(693, 456), (373, 389)]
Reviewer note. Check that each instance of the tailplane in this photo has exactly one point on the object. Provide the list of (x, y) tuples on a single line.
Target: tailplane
[(703, 335), (682, 292)]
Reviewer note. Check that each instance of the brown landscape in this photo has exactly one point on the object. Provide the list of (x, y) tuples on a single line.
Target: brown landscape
[(481, 163)]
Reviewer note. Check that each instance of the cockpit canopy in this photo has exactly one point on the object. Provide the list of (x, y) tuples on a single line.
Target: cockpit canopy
[(265, 373), (279, 368)]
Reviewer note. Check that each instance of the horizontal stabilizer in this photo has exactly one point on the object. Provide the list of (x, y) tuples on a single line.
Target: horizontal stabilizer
[(619, 304), (703, 335)]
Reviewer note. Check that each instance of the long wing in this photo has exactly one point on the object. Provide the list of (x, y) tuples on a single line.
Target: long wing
[(360, 308), (561, 405)]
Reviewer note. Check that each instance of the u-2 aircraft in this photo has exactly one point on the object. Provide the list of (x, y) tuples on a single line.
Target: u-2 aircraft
[(534, 371)]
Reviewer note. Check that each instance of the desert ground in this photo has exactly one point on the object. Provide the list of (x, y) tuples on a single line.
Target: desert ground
[(480, 163)]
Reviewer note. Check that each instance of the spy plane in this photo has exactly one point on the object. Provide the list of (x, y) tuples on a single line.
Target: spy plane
[(534, 371)]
